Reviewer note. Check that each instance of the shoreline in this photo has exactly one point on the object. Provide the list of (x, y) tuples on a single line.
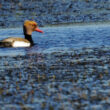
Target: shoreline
[(67, 25), (78, 24)]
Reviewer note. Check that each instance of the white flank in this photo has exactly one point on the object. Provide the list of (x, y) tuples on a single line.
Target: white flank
[(21, 44)]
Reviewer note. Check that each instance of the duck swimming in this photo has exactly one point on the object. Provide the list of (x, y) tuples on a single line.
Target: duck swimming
[(28, 28)]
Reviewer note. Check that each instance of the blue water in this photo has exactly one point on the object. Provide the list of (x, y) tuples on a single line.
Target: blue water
[(55, 38), (68, 68)]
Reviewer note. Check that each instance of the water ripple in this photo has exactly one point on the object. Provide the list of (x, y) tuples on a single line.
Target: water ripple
[(67, 69)]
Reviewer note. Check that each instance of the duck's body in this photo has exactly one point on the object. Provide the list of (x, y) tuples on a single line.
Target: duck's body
[(29, 27), (15, 42)]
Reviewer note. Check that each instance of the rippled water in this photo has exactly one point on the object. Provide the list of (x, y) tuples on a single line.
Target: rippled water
[(55, 38), (67, 69)]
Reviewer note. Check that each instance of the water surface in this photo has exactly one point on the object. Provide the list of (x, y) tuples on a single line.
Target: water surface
[(56, 38), (67, 69)]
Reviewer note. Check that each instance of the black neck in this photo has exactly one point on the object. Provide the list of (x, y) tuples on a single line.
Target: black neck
[(29, 38)]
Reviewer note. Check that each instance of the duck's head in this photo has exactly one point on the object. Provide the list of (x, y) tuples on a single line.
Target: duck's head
[(30, 26)]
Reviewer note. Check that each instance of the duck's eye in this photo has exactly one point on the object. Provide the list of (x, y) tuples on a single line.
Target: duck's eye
[(34, 25)]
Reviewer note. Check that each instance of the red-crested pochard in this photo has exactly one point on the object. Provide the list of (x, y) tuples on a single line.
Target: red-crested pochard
[(28, 28)]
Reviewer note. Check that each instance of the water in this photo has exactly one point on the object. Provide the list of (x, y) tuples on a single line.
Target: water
[(60, 37), (67, 69)]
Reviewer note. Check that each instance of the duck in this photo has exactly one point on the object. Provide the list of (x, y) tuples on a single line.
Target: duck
[(28, 27)]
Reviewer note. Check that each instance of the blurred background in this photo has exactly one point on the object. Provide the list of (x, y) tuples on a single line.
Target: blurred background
[(14, 12)]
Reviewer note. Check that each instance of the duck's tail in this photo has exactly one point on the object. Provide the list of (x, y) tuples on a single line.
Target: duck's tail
[(5, 44)]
